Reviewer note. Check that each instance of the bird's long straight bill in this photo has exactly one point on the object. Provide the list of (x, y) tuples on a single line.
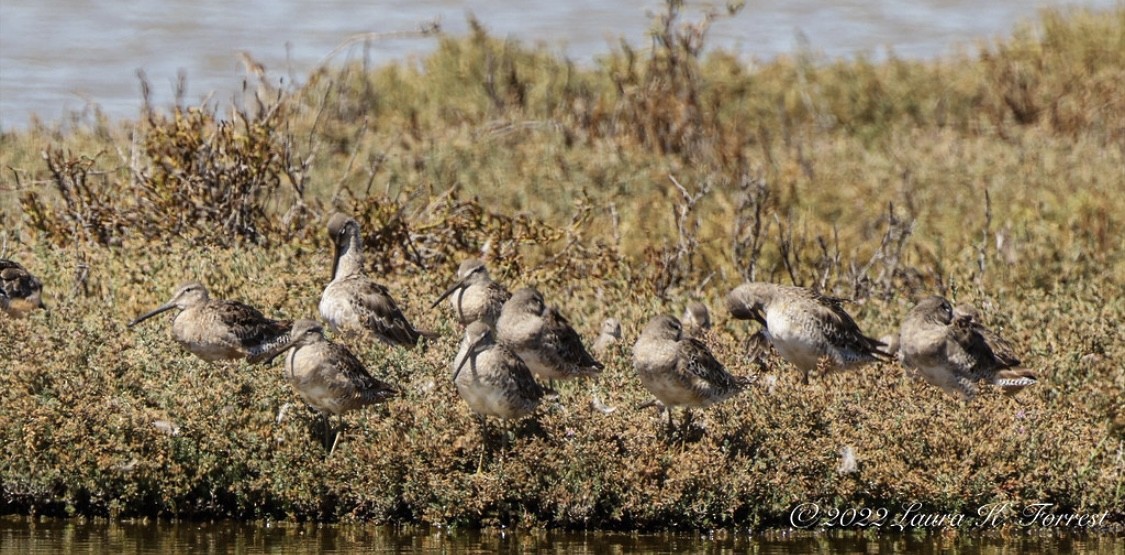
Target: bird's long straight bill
[(448, 292), (468, 355), (336, 256), (151, 313)]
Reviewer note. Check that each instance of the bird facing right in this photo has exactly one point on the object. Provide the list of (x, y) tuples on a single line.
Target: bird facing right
[(680, 370), (953, 351), (608, 336), (696, 319)]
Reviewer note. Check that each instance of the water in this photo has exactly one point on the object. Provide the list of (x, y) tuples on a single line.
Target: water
[(48, 536), (59, 56)]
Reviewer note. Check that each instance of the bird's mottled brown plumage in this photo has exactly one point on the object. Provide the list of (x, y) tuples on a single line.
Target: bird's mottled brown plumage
[(20, 292), (491, 378), (806, 328), (327, 375), (353, 302), (681, 370), (217, 329), (475, 296), (952, 350), (543, 338)]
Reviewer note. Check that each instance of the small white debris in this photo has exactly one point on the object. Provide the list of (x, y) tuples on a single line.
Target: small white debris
[(426, 387), (848, 463), (599, 406), (167, 427), (283, 412), (771, 383)]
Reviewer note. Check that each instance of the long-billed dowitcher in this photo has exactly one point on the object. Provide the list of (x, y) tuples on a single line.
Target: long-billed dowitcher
[(696, 319), (680, 370), (608, 335), (543, 338), (22, 292), (950, 349), (216, 329), (475, 296), (492, 379), (806, 328), (353, 302), (327, 375)]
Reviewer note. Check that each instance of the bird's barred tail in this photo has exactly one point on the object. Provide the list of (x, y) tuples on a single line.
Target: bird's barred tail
[(1013, 381)]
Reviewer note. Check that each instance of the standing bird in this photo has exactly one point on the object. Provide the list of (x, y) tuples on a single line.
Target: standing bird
[(491, 378), (477, 296), (352, 302), (680, 370), (696, 319), (806, 328), (215, 329), (20, 292), (953, 351), (608, 336), (327, 375), (543, 338)]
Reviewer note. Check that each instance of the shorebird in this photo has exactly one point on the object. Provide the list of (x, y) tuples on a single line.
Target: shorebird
[(680, 370), (327, 375), (477, 296), (543, 338), (806, 328), (696, 319), (492, 379), (890, 344), (21, 291), (950, 349), (608, 336), (353, 302), (216, 329)]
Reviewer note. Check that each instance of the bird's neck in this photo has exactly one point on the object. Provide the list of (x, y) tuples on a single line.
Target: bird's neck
[(349, 259)]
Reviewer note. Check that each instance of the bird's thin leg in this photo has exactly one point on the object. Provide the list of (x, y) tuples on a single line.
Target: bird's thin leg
[(324, 428), (336, 436), (482, 424)]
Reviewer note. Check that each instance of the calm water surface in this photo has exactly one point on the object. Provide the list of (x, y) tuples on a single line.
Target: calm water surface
[(60, 56), (47, 536)]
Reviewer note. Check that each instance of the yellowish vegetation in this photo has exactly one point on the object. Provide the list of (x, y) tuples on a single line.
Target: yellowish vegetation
[(627, 189)]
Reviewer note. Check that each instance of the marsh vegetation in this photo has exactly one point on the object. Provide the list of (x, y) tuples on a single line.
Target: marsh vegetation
[(657, 177)]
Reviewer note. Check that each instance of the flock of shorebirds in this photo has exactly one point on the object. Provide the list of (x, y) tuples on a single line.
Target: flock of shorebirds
[(511, 339)]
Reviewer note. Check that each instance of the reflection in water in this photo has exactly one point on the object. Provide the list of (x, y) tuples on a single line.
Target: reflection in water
[(34, 536)]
